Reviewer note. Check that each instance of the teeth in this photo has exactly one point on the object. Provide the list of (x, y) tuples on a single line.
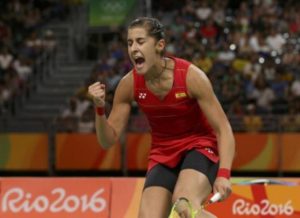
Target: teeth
[(136, 59)]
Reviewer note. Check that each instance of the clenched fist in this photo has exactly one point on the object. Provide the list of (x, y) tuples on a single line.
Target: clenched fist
[(97, 92)]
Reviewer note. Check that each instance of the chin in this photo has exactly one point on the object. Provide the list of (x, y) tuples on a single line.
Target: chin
[(141, 71)]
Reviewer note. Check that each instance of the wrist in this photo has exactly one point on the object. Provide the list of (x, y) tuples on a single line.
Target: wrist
[(100, 111), (224, 172)]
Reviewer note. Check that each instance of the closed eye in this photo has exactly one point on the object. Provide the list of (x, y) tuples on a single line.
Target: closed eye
[(139, 41)]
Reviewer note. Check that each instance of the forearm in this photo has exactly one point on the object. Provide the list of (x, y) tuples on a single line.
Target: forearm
[(226, 147), (108, 130), (106, 135)]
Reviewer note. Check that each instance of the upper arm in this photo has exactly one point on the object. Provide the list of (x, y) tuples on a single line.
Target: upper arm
[(200, 88), (123, 97)]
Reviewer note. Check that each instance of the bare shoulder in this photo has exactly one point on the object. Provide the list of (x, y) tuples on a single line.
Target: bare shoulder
[(124, 91), (128, 78), (197, 82)]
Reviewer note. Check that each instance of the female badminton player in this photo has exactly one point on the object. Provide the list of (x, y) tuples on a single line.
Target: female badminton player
[(192, 141)]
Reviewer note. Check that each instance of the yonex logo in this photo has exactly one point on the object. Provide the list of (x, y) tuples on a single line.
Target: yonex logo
[(209, 150), (142, 95)]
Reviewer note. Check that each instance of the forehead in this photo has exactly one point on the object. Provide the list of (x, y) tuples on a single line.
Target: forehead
[(136, 32)]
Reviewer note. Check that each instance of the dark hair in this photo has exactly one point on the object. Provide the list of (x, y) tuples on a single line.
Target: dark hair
[(153, 26)]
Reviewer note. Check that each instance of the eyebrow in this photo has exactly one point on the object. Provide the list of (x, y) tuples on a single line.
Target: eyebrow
[(137, 39)]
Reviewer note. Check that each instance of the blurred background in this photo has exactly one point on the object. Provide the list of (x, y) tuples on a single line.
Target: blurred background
[(52, 50)]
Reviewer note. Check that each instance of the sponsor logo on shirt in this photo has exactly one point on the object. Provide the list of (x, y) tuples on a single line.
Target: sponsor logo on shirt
[(209, 151), (142, 95)]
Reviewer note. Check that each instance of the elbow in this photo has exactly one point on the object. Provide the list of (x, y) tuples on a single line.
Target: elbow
[(105, 144), (106, 139)]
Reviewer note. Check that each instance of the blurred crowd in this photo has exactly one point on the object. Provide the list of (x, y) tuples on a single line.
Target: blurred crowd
[(249, 50), (23, 40)]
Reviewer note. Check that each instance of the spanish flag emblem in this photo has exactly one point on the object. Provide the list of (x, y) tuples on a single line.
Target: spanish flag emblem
[(180, 95)]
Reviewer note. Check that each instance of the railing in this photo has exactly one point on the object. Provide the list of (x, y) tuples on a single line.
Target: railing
[(269, 123), (273, 153)]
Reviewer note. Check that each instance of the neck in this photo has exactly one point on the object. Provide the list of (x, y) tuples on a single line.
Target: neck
[(157, 70)]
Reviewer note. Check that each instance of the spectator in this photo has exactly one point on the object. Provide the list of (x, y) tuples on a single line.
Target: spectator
[(263, 95), (236, 109), (113, 78), (218, 13), (86, 122), (82, 101), (6, 59), (5, 33), (226, 55), (252, 69), (32, 19), (33, 45), (209, 30), (49, 42), (258, 44), (295, 87), (22, 66), (279, 86), (203, 12), (231, 87), (275, 41), (177, 27), (202, 61), (5, 94), (72, 110), (291, 122), (69, 118), (252, 121), (269, 71)]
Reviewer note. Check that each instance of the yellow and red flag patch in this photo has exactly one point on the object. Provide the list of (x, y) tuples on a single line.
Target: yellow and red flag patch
[(180, 95)]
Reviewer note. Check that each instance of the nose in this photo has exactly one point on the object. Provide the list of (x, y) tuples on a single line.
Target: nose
[(134, 47)]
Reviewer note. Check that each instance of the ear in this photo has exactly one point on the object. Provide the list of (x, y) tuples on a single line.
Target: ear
[(160, 45)]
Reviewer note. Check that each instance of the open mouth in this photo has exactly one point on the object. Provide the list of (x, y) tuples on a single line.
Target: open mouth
[(139, 62)]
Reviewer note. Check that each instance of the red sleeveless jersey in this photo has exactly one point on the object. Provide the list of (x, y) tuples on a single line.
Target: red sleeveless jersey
[(177, 122)]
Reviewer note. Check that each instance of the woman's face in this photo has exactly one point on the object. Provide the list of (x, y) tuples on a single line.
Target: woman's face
[(143, 50)]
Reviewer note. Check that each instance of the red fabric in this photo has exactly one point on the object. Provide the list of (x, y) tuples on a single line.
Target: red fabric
[(294, 27), (177, 122), (100, 111), (223, 172), (209, 31)]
